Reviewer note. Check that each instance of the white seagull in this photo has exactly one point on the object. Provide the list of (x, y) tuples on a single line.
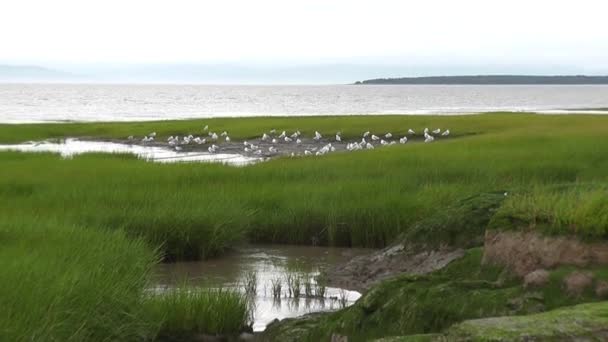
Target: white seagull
[(446, 133)]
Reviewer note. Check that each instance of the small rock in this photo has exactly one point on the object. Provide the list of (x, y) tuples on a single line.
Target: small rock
[(601, 289), (245, 336), (576, 282), (338, 338), (536, 278)]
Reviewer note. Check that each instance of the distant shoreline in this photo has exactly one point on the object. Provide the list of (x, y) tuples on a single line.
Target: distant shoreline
[(491, 80)]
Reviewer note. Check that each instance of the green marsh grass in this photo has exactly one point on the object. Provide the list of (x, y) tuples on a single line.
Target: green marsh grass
[(187, 310), (68, 283), (365, 198)]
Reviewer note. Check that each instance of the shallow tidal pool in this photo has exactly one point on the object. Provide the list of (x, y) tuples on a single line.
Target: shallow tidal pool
[(71, 147), (277, 271)]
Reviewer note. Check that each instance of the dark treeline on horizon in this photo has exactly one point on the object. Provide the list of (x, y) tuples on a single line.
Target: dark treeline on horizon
[(491, 79)]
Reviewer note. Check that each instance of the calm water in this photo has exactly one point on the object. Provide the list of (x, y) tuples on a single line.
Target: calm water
[(271, 265), (71, 147), (39, 103)]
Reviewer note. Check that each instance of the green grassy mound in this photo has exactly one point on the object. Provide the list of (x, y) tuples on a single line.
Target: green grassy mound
[(580, 210), (460, 224), (584, 322)]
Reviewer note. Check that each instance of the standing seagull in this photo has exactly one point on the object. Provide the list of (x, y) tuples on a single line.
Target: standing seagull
[(446, 133), (411, 131)]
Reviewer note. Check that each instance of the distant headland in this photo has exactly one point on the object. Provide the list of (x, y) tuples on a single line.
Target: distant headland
[(491, 79)]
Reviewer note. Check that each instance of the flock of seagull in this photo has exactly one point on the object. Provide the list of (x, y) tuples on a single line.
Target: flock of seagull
[(367, 141)]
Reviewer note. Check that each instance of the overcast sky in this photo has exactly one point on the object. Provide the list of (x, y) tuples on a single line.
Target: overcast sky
[(526, 32)]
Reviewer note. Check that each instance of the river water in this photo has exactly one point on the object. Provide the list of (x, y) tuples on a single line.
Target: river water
[(271, 265), (101, 102)]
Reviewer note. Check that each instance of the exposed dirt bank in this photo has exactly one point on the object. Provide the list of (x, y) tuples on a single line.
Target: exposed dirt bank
[(365, 271), (524, 252), (428, 246)]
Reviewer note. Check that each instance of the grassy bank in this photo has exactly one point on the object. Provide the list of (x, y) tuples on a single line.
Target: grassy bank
[(67, 283), (353, 199)]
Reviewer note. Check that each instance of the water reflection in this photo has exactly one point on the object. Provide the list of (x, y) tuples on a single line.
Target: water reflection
[(70, 147), (281, 281)]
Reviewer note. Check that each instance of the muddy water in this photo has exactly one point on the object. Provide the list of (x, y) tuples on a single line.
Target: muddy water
[(269, 265), (71, 147)]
